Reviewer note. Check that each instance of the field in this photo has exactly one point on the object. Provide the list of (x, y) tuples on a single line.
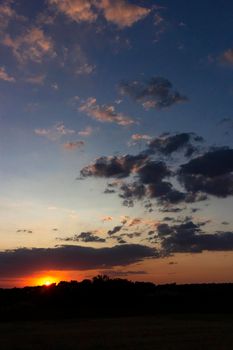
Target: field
[(195, 332)]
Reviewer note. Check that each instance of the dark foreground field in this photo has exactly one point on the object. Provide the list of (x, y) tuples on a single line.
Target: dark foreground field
[(170, 332)]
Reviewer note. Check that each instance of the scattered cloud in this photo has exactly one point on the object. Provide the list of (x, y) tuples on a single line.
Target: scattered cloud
[(77, 10), (227, 57), (189, 238), (85, 69), (86, 132), (33, 45), (107, 218), (167, 144), (211, 173), (7, 14), (55, 132), (36, 79), (118, 167), (156, 93), (87, 237), (115, 230), (5, 76), (145, 177), (139, 137), (70, 146), (104, 113), (121, 13)]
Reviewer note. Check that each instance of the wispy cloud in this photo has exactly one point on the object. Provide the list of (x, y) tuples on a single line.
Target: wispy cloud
[(227, 57), (70, 146), (55, 132), (86, 132), (104, 113), (36, 79), (5, 76), (85, 69), (33, 45)]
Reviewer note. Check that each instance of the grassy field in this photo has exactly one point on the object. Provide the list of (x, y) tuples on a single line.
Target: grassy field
[(183, 332)]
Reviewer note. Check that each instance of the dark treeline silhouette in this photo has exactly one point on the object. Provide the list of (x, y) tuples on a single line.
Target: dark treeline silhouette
[(105, 297)]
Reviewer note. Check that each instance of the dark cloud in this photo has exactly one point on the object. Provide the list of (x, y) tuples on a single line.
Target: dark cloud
[(189, 238), (24, 231), (131, 235), (164, 230), (165, 193), (115, 230), (148, 177), (212, 164), (131, 192), (167, 144), (210, 173), (156, 93), (153, 172), (25, 261), (118, 167), (119, 273), (86, 237)]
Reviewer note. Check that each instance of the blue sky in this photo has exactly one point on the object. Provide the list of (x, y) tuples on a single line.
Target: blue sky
[(82, 80)]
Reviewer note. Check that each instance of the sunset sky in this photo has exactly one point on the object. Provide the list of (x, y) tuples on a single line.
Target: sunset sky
[(116, 140)]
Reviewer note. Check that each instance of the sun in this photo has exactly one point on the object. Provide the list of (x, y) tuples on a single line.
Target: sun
[(46, 281)]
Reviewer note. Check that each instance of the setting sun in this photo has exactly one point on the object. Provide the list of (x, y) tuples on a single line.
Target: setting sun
[(47, 281)]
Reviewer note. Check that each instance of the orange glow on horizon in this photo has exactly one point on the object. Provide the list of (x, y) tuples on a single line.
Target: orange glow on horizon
[(46, 280)]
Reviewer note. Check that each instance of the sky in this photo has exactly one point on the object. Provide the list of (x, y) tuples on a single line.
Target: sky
[(116, 144)]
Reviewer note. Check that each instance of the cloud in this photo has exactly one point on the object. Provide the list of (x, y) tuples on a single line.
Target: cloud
[(86, 132), (77, 10), (211, 164), (144, 177), (121, 12), (189, 238), (119, 273), (70, 146), (24, 261), (5, 76), (36, 79), (130, 192), (210, 173), (87, 237), (7, 14), (153, 172), (227, 57), (167, 144), (139, 137), (156, 93), (85, 69), (55, 132), (33, 45), (24, 231), (115, 230), (118, 167), (104, 113), (107, 218)]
